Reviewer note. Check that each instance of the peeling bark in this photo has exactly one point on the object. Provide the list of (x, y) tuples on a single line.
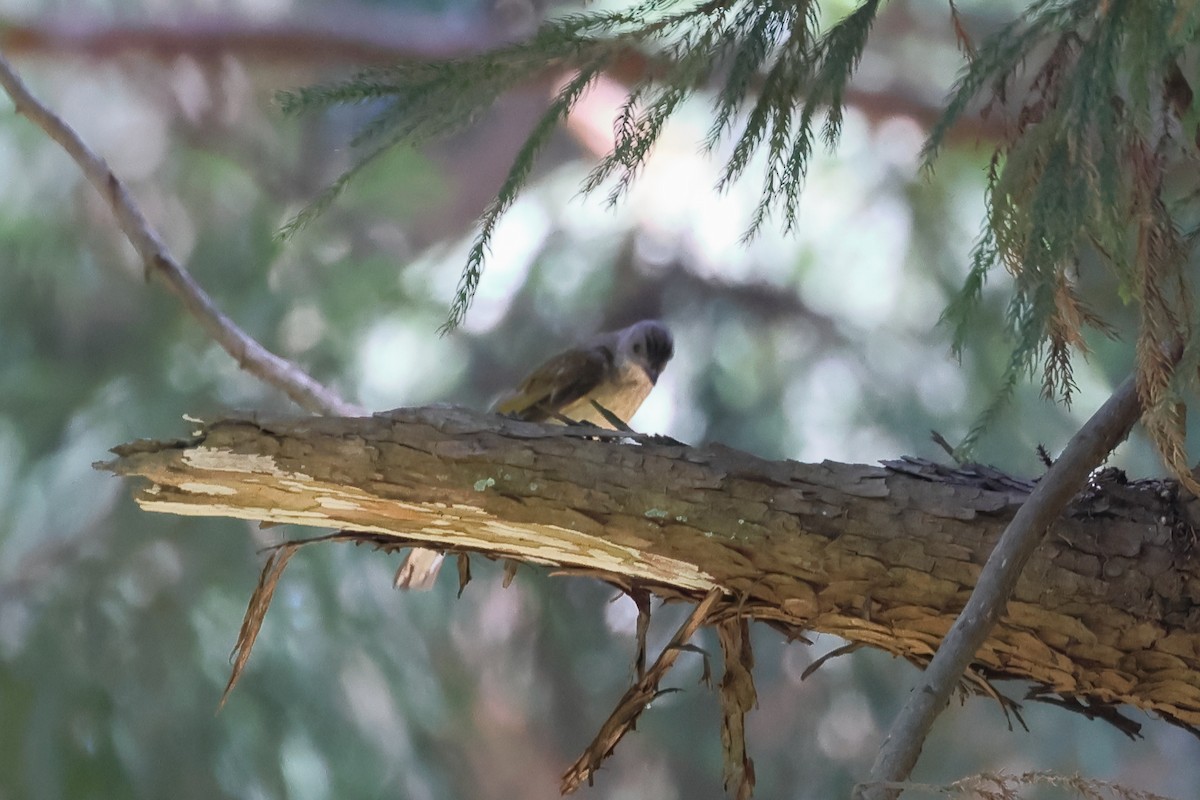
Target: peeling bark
[(1106, 611)]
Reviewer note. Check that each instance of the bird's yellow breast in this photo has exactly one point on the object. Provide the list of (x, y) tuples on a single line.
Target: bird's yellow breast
[(622, 395)]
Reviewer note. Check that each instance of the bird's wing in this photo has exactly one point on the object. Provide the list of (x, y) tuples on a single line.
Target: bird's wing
[(559, 382)]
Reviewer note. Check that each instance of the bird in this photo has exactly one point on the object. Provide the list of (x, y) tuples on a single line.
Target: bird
[(614, 370), (600, 382)]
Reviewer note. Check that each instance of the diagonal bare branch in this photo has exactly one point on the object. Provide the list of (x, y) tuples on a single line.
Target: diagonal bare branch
[(1086, 451), (157, 260)]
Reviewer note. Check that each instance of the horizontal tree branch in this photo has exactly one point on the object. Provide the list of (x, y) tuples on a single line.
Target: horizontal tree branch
[(371, 39), (360, 37), (1106, 612)]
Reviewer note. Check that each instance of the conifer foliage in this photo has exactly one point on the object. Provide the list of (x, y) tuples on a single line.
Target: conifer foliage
[(1101, 138), (765, 55), (1089, 172)]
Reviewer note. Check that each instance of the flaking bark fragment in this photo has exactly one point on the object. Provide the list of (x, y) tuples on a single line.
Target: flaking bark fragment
[(738, 698)]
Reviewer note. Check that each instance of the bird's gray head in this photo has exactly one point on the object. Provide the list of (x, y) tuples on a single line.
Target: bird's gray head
[(649, 344)]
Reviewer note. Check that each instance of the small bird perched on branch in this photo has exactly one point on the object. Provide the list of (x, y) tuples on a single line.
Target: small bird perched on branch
[(614, 370), (604, 379)]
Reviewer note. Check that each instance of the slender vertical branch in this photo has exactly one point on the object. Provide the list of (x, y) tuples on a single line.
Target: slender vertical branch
[(1086, 450), (158, 261)]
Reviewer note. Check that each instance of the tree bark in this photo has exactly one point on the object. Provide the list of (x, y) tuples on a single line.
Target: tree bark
[(1105, 613)]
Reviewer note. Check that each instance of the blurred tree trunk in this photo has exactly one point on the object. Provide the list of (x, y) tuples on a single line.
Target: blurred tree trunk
[(1105, 613)]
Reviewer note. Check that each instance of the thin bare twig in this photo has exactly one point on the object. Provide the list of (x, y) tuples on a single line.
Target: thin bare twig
[(1086, 450), (635, 700), (158, 261)]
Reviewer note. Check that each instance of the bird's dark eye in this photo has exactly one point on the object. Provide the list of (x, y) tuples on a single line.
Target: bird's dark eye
[(637, 348)]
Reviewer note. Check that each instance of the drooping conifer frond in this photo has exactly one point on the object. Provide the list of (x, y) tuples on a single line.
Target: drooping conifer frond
[(766, 51), (1081, 175), (516, 179)]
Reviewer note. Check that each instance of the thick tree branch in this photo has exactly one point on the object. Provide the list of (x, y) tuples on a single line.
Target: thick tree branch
[(158, 261), (1084, 453), (1107, 611)]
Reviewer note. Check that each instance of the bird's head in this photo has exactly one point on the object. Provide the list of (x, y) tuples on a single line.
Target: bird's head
[(648, 344)]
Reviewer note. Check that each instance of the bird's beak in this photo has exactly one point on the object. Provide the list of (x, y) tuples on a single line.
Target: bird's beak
[(653, 375)]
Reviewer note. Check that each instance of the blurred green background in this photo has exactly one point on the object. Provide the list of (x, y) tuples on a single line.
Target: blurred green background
[(116, 625)]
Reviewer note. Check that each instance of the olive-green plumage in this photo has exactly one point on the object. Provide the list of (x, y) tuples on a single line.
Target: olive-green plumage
[(615, 370)]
